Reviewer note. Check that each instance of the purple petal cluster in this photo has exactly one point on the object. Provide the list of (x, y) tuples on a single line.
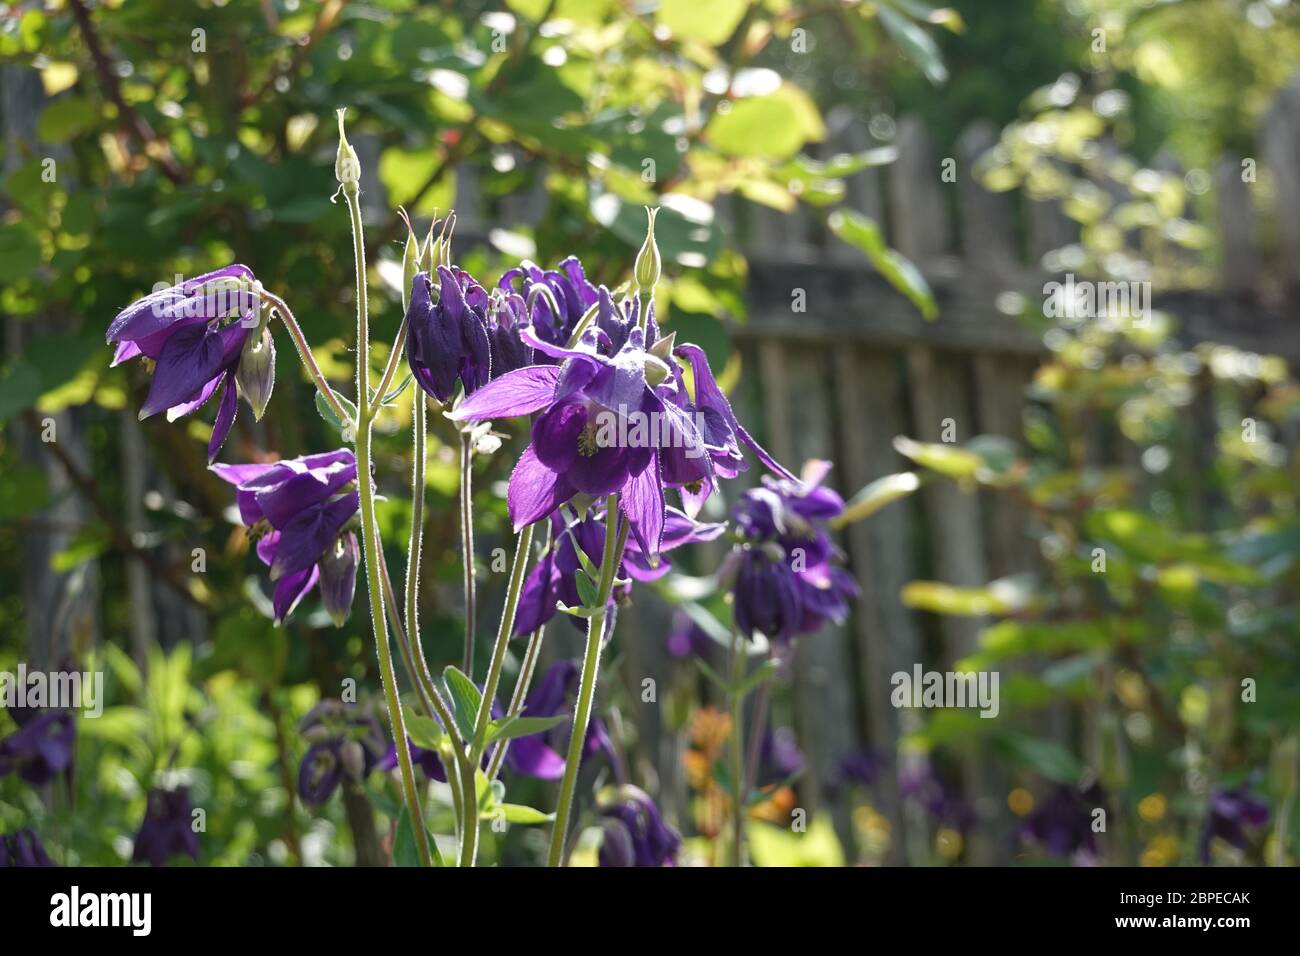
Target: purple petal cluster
[(553, 580), (193, 334), (785, 578), (343, 742), (1062, 821), (613, 414), (634, 831), (41, 748), (299, 512), (22, 848), (1231, 811), (168, 828)]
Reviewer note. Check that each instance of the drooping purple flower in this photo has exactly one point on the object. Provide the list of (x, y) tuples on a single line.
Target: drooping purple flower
[(615, 414), (784, 579), (1062, 822), (344, 742), (193, 334), (41, 748), (447, 338), (22, 848), (542, 755), (298, 511), (1231, 811), (553, 580), (168, 828), (635, 833), (570, 291)]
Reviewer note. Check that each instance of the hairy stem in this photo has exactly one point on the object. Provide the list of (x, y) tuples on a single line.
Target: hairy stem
[(370, 538), (305, 353), (740, 793), (467, 547), (616, 532), (526, 668)]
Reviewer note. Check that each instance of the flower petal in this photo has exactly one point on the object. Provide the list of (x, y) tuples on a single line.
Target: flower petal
[(535, 491), (520, 392), (643, 503), (225, 416)]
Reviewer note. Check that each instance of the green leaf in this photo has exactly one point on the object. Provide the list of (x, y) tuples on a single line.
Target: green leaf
[(405, 850), (423, 731), (778, 846), (587, 590), (951, 460), (876, 495), (20, 251), (773, 126), (1045, 757), (65, 119), (708, 21), (915, 42), (23, 491), (517, 813), (465, 699), (1004, 596), (89, 544), (896, 269), (327, 413), (508, 728)]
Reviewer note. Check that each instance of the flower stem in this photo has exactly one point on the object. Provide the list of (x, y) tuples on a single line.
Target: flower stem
[(740, 792), (526, 668), (305, 353), (394, 359), (470, 764), (370, 538), (616, 532), (467, 547)]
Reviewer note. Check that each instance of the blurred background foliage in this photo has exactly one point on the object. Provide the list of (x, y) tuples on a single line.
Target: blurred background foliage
[(185, 136)]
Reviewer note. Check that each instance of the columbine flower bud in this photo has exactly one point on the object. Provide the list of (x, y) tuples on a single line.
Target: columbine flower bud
[(338, 577), (255, 375), (347, 168), (648, 264), (410, 264)]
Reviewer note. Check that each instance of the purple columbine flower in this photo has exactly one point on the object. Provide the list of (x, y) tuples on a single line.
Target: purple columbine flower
[(343, 743), (298, 511), (1062, 822), (572, 293), (168, 828), (448, 339), (1231, 811), (635, 833), (22, 848), (194, 335), (553, 579), (615, 416), (541, 755), (41, 748), (784, 579)]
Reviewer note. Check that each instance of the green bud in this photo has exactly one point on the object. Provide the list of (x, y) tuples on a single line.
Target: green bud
[(347, 168), (648, 264), (410, 265), (255, 375)]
